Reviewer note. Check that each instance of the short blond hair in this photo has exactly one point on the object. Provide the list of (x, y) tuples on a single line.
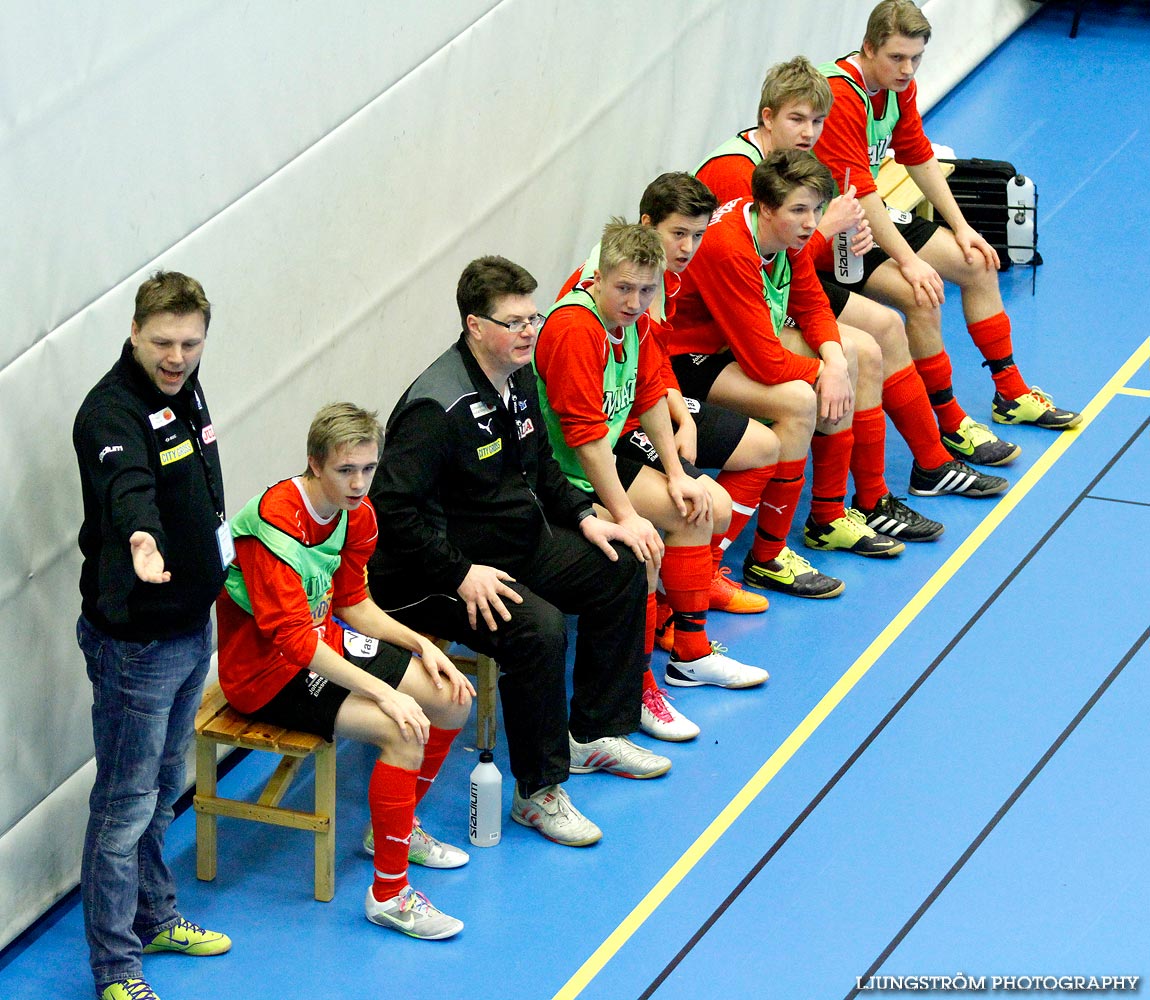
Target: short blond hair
[(341, 425), (797, 80), (630, 243), (895, 17)]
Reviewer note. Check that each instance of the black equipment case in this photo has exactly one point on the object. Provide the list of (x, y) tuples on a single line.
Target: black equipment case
[(1000, 203)]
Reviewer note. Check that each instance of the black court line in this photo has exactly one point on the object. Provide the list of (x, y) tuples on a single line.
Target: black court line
[(886, 720), (1002, 811), (1133, 503)]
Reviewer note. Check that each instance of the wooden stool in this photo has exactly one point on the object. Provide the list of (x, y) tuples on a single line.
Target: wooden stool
[(486, 673), (217, 723)]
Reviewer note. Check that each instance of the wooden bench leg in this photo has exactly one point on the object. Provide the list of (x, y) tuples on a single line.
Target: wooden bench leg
[(325, 839), (206, 824), (487, 691)]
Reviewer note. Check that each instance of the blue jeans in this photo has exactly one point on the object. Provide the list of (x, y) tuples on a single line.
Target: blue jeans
[(145, 697)]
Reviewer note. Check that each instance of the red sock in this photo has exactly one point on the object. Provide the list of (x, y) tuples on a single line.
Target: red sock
[(777, 509), (936, 376), (391, 797), (992, 337), (830, 466), (868, 456), (686, 575), (904, 399), (745, 489), (434, 754), (649, 683)]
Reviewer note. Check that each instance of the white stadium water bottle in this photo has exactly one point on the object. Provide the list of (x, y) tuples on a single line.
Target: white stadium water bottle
[(848, 264), (485, 825)]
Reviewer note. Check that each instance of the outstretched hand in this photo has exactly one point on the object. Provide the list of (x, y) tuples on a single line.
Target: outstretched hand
[(146, 558)]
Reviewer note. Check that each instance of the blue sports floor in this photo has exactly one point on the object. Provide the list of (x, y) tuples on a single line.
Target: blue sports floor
[(947, 771)]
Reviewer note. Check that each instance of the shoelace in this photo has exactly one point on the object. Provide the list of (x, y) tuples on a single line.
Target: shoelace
[(717, 647), (187, 927), (977, 433), (1042, 396), (897, 506), (794, 562), (855, 524), (656, 701), (138, 989), (412, 899), (725, 573)]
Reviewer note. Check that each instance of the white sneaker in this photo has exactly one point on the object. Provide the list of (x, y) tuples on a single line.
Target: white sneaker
[(663, 721), (616, 755), (413, 914), (715, 668), (424, 849), (551, 811)]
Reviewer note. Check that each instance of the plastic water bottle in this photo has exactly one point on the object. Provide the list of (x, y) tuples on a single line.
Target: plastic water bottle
[(848, 265), (485, 826)]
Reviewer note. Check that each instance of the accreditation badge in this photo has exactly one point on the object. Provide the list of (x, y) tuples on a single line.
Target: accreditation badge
[(225, 544)]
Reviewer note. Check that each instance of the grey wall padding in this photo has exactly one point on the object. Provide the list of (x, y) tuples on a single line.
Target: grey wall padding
[(325, 170)]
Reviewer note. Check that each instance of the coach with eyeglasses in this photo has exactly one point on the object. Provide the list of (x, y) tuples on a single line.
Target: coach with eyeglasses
[(484, 541)]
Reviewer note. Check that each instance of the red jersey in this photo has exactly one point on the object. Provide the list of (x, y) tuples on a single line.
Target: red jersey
[(571, 402), (844, 140), (722, 304), (660, 315), (260, 652), (727, 171)]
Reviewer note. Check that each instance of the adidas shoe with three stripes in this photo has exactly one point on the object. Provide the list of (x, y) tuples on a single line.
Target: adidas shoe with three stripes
[(955, 478)]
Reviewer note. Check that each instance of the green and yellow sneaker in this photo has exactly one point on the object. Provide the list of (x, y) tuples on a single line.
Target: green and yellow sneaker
[(790, 573), (978, 444), (850, 533), (187, 938), (128, 989), (1034, 407)]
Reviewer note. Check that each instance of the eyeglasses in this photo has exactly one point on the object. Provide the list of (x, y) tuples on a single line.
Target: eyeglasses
[(516, 325)]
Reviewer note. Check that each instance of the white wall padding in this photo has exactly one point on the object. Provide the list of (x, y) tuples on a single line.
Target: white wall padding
[(325, 170)]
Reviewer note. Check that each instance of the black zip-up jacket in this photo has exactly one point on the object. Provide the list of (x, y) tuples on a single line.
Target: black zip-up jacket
[(148, 462), (464, 479)]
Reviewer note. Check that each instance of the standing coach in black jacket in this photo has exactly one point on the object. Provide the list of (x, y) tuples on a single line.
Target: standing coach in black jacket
[(155, 544)]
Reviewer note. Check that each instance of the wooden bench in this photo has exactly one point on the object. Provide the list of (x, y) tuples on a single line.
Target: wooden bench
[(898, 190), (218, 724)]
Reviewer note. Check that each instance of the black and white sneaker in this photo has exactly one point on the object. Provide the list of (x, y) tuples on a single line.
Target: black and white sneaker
[(893, 518), (955, 478)]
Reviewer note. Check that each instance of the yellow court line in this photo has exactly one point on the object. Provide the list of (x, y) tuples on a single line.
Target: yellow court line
[(817, 715), (1135, 392)]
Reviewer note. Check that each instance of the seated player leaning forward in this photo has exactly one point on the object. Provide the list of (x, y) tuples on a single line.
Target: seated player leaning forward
[(301, 552), (598, 376), (875, 109), (679, 207), (485, 542), (793, 106), (730, 345)]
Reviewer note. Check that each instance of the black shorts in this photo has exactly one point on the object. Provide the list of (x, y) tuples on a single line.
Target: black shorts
[(916, 231), (633, 453), (696, 373), (309, 702), (719, 432), (837, 295)]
